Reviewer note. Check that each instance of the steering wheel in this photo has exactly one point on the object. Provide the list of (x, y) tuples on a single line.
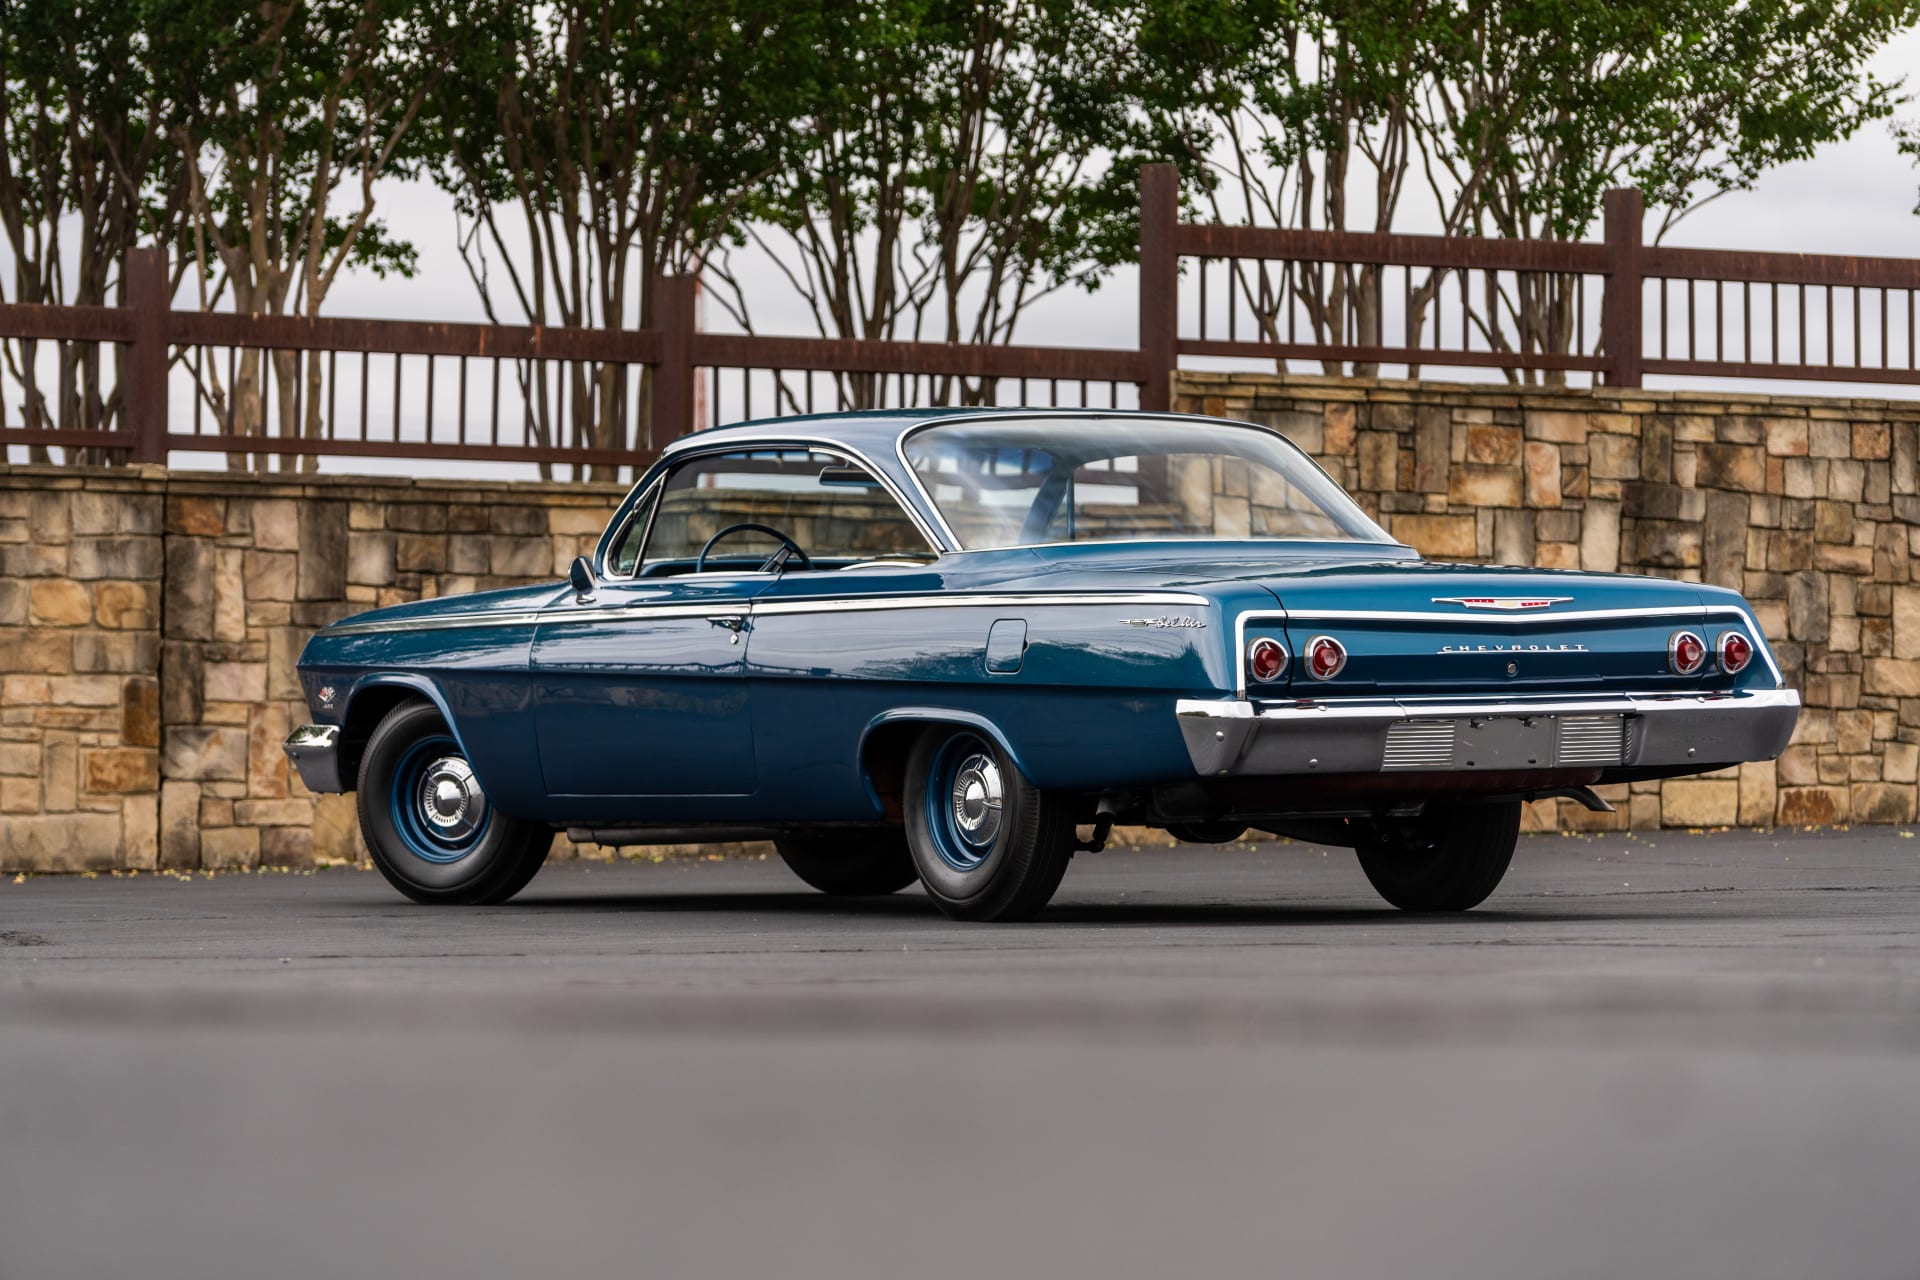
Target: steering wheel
[(787, 547)]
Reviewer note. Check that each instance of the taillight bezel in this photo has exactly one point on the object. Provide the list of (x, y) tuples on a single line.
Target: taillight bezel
[(1253, 668), (1313, 668), (1720, 651), (1674, 642)]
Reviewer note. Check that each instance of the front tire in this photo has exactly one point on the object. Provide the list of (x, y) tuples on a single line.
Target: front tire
[(432, 831), (1450, 860), (988, 843), (849, 864)]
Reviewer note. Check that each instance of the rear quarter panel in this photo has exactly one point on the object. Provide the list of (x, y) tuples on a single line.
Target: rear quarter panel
[(1090, 707)]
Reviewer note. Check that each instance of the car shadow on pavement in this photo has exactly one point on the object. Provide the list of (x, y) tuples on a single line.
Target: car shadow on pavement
[(913, 906)]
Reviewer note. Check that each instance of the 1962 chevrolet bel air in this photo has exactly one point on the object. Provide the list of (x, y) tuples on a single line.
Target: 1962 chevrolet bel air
[(958, 646)]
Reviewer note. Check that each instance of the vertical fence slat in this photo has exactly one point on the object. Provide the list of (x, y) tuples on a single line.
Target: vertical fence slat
[(1159, 284), (145, 400)]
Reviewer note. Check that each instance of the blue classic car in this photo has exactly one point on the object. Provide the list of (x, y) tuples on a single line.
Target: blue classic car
[(958, 646)]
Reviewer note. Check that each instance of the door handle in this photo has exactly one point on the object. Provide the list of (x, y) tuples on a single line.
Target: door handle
[(734, 622)]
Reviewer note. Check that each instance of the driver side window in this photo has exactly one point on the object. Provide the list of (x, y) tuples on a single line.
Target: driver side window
[(835, 513)]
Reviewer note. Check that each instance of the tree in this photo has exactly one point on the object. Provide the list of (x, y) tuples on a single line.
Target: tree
[(85, 172), (1518, 115), (1285, 106), (970, 160), (591, 148), (288, 113), (1547, 104)]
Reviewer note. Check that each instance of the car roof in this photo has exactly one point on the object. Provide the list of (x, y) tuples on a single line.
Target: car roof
[(874, 431)]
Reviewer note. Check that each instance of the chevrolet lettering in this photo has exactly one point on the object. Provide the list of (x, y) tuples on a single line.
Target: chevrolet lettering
[(954, 647)]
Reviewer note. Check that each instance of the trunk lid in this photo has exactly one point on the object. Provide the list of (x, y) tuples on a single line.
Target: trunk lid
[(1443, 629)]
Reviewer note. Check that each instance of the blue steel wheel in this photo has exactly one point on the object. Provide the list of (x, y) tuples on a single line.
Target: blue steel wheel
[(432, 830), (438, 807), (989, 845), (965, 800)]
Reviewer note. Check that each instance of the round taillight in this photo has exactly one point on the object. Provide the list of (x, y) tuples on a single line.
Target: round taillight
[(1686, 652), (1736, 651), (1325, 657), (1266, 659)]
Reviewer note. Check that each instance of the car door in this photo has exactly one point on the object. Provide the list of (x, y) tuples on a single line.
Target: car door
[(640, 688)]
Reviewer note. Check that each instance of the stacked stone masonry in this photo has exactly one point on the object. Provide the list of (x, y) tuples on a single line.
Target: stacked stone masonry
[(150, 621), (1808, 506)]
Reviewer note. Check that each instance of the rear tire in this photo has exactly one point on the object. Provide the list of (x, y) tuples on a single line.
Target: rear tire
[(1451, 860), (849, 864), (988, 843), (431, 829)]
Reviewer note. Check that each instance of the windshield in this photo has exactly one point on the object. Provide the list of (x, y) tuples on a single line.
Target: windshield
[(1011, 483)]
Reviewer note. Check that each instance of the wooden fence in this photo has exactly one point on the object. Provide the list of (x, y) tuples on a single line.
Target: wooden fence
[(1617, 311)]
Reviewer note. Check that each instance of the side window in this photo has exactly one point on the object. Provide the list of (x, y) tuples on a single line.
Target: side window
[(837, 513), (626, 551)]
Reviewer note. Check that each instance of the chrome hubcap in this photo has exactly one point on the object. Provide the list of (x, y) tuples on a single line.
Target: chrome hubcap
[(976, 799), (450, 799)]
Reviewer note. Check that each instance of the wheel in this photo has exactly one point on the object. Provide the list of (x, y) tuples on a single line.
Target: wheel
[(430, 828), (989, 845), (849, 864), (1450, 860)]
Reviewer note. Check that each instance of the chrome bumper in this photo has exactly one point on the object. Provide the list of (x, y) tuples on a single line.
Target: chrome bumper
[(315, 752), (1455, 734)]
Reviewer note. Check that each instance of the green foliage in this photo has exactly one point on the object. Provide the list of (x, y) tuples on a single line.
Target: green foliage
[(287, 111), (1542, 104)]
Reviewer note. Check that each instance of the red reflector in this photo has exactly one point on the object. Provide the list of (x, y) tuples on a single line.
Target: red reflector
[(1736, 651), (1325, 657), (1686, 652), (1266, 659)]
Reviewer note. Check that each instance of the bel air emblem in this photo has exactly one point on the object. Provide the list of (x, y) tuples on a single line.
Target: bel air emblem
[(1507, 604), (1165, 620)]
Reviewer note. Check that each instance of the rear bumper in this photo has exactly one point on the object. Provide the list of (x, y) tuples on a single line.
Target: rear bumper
[(1454, 734), (315, 752)]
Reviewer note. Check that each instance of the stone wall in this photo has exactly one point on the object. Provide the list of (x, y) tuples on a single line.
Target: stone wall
[(150, 621), (1807, 506), (149, 627)]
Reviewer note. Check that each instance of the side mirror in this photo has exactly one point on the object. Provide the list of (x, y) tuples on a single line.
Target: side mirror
[(581, 576)]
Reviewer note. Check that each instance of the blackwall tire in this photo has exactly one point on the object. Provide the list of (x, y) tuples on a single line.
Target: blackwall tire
[(989, 845), (1456, 860), (850, 863), (428, 824)]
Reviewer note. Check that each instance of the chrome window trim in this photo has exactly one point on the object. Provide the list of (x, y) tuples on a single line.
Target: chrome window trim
[(836, 604), (900, 451), (688, 448), (1209, 540), (612, 540)]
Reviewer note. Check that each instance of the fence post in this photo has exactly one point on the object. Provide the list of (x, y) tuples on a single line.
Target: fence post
[(1621, 326), (673, 303), (1159, 284), (144, 393)]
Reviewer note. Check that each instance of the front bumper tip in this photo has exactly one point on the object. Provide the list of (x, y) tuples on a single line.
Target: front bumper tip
[(315, 752)]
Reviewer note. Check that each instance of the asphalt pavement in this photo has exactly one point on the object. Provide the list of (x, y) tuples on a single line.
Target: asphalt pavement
[(1671, 1055)]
